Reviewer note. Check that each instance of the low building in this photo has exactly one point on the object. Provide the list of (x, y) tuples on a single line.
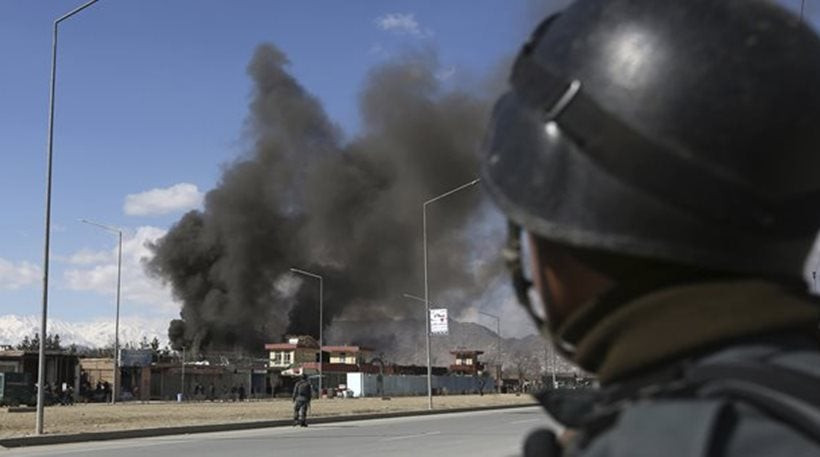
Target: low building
[(61, 367), (348, 355), (295, 351), (466, 362)]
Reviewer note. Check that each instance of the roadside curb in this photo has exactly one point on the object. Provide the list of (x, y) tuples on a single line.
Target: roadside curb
[(42, 440)]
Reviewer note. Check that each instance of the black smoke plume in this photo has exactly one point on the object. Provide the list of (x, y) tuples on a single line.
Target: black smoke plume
[(351, 211)]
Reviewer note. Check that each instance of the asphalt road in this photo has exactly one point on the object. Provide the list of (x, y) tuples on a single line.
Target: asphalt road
[(485, 433)]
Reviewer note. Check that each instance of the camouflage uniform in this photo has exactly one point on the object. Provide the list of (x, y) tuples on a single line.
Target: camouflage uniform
[(302, 394)]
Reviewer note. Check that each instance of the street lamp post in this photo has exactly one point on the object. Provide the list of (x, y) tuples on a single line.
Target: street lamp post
[(429, 361), (426, 286), (321, 287), (116, 389), (498, 348), (41, 362)]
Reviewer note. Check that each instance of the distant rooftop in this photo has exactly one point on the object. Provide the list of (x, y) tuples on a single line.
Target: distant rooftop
[(294, 342), (458, 352), (346, 349)]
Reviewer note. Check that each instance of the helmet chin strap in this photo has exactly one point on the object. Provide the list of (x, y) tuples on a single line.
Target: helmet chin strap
[(514, 259)]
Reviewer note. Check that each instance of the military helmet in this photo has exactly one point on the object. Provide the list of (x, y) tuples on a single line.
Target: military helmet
[(681, 131)]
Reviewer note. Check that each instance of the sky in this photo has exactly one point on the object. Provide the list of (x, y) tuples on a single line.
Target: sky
[(151, 101)]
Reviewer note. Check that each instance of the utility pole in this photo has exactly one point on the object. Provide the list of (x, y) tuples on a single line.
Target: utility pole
[(426, 285), (115, 393), (182, 381), (41, 361)]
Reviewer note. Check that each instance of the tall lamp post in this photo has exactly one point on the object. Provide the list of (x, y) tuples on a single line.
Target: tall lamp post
[(321, 287), (429, 361), (426, 286), (498, 348), (116, 390), (41, 362)]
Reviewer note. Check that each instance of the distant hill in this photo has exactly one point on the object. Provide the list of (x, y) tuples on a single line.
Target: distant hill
[(403, 342)]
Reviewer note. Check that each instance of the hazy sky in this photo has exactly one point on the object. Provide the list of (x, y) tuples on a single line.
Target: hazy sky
[(151, 99)]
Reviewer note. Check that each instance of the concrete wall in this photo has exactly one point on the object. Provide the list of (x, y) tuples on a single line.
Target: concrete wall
[(99, 369), (367, 384)]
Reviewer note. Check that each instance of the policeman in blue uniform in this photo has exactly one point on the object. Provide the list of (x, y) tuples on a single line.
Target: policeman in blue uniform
[(662, 160)]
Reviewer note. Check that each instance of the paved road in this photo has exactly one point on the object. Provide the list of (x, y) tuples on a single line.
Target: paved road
[(485, 433)]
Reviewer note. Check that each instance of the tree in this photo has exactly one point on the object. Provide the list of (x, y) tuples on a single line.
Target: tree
[(24, 345), (524, 366), (53, 343)]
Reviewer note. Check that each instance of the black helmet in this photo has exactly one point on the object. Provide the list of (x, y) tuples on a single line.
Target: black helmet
[(682, 131)]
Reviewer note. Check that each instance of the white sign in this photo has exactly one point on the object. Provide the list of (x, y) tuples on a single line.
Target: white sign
[(438, 321)]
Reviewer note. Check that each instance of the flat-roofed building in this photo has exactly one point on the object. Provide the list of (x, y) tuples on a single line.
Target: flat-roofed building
[(295, 351), (466, 362), (348, 355)]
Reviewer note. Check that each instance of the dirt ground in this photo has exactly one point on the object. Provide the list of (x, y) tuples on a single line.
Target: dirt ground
[(96, 417)]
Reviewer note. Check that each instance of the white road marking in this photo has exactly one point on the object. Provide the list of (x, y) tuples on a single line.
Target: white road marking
[(418, 435), (524, 421)]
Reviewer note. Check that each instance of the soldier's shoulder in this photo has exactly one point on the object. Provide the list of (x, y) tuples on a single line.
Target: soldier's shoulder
[(697, 428), (758, 402)]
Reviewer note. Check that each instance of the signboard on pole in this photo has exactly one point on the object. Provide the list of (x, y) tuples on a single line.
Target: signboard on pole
[(438, 321)]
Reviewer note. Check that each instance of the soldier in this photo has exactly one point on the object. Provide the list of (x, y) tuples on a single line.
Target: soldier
[(663, 159), (302, 394)]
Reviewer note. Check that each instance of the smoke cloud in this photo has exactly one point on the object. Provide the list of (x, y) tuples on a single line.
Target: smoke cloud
[(351, 211)]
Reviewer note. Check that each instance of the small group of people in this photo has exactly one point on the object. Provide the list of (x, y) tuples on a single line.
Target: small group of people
[(236, 392), (59, 394)]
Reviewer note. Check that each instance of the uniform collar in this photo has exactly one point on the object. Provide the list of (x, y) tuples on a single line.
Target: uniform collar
[(615, 340)]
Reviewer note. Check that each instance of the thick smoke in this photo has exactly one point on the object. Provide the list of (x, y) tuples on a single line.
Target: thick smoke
[(350, 211)]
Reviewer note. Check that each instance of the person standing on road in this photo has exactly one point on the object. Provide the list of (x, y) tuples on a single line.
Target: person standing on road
[(663, 160), (302, 394)]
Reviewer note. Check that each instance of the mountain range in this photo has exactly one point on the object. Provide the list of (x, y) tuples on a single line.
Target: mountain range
[(90, 334)]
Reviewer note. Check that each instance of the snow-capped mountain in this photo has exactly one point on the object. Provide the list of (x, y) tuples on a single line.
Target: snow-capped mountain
[(93, 334)]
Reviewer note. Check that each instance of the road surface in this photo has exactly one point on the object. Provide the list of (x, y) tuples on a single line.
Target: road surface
[(484, 433)]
